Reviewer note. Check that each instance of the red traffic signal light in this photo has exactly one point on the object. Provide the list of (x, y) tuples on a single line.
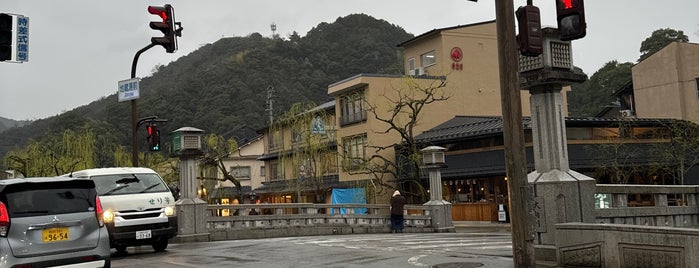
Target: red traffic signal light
[(529, 26), (167, 26), (5, 37), (153, 138), (571, 19)]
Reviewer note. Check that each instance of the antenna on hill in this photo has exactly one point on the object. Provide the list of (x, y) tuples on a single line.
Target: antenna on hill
[(273, 26), (270, 103)]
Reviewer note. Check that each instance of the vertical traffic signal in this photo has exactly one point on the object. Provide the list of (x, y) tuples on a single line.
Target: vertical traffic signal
[(571, 19), (166, 26), (529, 26), (5, 37), (153, 138)]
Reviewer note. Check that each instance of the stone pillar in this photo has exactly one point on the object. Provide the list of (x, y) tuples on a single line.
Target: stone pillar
[(560, 194), (191, 211), (440, 210)]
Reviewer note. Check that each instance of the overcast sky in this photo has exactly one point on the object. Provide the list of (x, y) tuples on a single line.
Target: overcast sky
[(80, 49)]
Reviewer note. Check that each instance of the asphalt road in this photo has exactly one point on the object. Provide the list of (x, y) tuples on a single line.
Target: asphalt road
[(439, 250)]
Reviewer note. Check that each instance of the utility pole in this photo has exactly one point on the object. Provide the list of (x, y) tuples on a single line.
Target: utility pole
[(513, 131)]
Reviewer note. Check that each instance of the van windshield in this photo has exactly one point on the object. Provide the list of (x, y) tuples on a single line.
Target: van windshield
[(119, 184)]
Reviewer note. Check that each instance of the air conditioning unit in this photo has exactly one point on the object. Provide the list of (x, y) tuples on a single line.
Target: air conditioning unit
[(413, 72), (627, 113), (421, 72)]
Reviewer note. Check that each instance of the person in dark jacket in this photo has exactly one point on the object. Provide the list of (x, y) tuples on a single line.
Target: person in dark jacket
[(397, 204)]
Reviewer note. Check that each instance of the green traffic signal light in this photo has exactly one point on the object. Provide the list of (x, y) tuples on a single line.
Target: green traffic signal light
[(153, 138)]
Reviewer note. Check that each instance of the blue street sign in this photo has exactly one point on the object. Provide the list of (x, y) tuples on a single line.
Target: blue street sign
[(22, 38)]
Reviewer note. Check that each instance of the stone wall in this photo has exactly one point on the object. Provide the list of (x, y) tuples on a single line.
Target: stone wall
[(623, 245)]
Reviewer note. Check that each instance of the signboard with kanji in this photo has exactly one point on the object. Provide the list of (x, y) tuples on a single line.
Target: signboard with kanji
[(22, 38), (128, 89)]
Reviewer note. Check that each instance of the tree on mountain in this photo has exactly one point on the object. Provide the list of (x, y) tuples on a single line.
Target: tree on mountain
[(659, 39), (590, 97), (223, 84)]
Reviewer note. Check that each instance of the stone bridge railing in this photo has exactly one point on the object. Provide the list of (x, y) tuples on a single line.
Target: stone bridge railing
[(227, 222), (657, 229), (660, 205)]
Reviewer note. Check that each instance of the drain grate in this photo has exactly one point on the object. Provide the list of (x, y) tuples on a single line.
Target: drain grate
[(458, 265)]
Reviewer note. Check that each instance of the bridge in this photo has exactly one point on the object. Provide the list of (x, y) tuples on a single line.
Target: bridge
[(660, 230)]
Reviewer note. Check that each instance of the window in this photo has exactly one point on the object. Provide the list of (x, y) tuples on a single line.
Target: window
[(275, 171), (119, 184), (352, 108), (411, 66), (276, 140), (296, 135), (263, 171), (428, 58), (50, 198), (578, 133), (241, 172), (697, 82), (354, 152)]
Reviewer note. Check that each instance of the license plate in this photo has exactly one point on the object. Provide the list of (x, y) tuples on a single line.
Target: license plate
[(143, 234), (55, 235)]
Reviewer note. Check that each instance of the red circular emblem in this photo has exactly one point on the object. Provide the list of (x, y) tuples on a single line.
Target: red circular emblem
[(456, 54)]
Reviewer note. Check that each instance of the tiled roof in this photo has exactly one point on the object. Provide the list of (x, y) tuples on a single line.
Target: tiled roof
[(463, 127)]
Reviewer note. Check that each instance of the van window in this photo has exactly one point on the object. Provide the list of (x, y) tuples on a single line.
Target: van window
[(119, 184)]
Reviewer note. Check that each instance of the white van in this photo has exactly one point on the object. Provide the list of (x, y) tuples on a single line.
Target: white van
[(139, 208)]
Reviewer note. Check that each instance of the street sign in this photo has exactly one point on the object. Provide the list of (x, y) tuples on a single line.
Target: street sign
[(128, 89), (22, 38)]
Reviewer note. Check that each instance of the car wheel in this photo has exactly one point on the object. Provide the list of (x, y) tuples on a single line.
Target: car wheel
[(160, 245), (121, 250)]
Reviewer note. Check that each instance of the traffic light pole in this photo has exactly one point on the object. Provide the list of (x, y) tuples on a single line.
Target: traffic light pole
[(134, 113)]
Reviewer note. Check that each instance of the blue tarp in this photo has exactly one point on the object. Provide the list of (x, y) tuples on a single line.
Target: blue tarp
[(349, 196)]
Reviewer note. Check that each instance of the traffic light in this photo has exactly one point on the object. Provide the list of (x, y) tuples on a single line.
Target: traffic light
[(153, 138), (529, 26), (571, 19), (167, 26), (5, 37)]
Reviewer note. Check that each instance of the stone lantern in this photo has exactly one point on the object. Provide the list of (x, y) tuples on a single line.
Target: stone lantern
[(440, 210), (191, 211)]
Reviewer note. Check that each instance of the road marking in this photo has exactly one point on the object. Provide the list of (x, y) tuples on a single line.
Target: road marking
[(415, 260)]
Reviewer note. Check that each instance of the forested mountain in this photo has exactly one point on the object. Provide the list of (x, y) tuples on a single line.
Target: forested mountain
[(6, 123), (221, 87)]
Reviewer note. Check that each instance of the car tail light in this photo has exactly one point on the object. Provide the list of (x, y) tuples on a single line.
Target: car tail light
[(99, 211), (4, 220)]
